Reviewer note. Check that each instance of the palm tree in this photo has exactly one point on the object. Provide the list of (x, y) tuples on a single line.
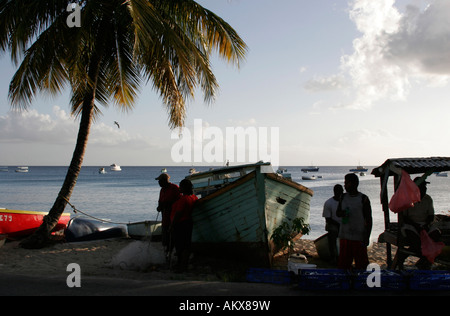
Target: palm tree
[(120, 45)]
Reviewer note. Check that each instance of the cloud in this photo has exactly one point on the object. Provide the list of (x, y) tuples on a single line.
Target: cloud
[(60, 128), (245, 123), (31, 126), (110, 136), (372, 76), (395, 51), (422, 40), (333, 82)]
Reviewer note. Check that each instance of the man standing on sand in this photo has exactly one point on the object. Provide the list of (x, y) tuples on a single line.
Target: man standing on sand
[(167, 196), (332, 221), (182, 224), (356, 225)]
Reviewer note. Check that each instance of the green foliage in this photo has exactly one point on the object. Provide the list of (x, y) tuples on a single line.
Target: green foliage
[(120, 46), (282, 235)]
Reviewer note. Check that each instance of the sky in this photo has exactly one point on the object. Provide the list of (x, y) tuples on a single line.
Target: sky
[(324, 83)]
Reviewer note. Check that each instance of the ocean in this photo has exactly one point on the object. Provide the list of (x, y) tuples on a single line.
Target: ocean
[(131, 195)]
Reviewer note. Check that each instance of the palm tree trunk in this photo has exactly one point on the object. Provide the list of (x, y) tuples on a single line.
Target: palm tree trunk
[(42, 236)]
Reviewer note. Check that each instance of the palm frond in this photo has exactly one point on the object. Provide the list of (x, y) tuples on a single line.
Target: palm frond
[(124, 74), (21, 22), (166, 42), (42, 69), (177, 59), (213, 32)]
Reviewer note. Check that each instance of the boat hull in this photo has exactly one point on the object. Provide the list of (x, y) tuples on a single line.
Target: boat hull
[(83, 229), (239, 219), (145, 229), (311, 169), (16, 223), (359, 169)]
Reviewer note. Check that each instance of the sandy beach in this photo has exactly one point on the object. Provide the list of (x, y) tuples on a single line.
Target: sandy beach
[(127, 267), (109, 258)]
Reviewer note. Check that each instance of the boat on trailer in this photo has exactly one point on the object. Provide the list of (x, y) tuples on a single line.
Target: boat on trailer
[(240, 208)]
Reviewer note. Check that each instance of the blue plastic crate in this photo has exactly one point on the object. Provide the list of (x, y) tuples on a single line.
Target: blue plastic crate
[(260, 275), (389, 280), (324, 279), (429, 280)]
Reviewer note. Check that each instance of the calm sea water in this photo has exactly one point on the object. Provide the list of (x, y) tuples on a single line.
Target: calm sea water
[(131, 195)]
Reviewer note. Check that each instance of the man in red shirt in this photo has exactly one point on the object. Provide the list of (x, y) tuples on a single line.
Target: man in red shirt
[(182, 224), (167, 196)]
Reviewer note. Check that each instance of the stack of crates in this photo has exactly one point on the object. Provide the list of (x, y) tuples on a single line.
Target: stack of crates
[(389, 281), (430, 280), (324, 279), (261, 275), (337, 279)]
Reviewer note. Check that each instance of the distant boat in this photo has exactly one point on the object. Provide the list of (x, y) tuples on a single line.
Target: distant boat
[(359, 169), (192, 171), (115, 167), (163, 170), (284, 174), (102, 171), (3, 169), (21, 169), (312, 177), (310, 169), (16, 223)]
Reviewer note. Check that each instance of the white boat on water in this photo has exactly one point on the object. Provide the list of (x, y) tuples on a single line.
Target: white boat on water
[(22, 169), (115, 167), (3, 169), (102, 171)]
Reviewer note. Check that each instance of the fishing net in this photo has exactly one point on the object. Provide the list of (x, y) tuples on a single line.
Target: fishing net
[(139, 256)]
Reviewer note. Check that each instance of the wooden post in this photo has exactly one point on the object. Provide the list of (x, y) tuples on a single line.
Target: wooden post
[(385, 204)]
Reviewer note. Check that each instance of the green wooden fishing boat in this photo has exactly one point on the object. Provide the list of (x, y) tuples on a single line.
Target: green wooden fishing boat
[(238, 215)]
